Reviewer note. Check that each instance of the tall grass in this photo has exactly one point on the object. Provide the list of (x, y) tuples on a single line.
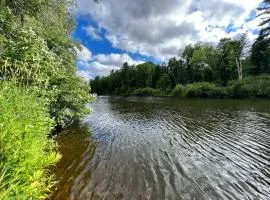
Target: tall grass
[(25, 149)]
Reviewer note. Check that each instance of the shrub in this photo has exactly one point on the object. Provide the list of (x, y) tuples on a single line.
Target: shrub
[(258, 86), (27, 59), (144, 92), (25, 149), (204, 90), (236, 89), (178, 91), (124, 91)]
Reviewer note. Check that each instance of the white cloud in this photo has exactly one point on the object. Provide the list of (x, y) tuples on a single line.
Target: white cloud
[(115, 59), (94, 33), (84, 74), (160, 28), (83, 54), (101, 64)]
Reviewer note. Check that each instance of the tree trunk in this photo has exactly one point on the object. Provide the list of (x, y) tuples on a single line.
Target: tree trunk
[(239, 68)]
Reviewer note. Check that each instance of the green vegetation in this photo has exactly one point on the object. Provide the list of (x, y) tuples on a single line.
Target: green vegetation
[(204, 90), (187, 78), (39, 91), (249, 87), (258, 86), (36, 50), (25, 149)]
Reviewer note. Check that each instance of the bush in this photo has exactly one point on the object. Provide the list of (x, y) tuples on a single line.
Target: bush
[(236, 89), (204, 90), (25, 149), (178, 91), (28, 60), (258, 86), (144, 92)]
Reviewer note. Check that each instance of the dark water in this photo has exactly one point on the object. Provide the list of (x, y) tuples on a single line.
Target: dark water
[(167, 149)]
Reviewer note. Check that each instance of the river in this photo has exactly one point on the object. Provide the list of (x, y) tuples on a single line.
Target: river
[(151, 148)]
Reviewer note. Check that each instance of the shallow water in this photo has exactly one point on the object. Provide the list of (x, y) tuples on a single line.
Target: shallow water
[(146, 148)]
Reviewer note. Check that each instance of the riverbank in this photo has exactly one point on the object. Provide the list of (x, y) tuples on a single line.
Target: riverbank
[(39, 91), (249, 87)]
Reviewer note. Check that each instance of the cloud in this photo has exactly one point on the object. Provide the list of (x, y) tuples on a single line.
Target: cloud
[(94, 33), (83, 54), (84, 74), (101, 64), (115, 59), (161, 28)]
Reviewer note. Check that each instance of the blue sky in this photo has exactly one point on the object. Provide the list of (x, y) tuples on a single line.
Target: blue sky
[(100, 46), (115, 31)]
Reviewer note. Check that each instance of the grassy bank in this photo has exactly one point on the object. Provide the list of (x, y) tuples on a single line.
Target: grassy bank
[(249, 87), (37, 53), (25, 149)]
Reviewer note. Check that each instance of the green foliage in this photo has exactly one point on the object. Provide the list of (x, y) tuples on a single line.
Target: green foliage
[(163, 81), (178, 91), (67, 98), (151, 92), (144, 74), (250, 87), (260, 55), (204, 90), (39, 53), (39, 89), (177, 71), (25, 149), (162, 92), (27, 59), (144, 92), (257, 86)]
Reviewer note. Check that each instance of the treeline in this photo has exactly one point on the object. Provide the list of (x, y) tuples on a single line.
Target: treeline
[(201, 67), (232, 59), (39, 91)]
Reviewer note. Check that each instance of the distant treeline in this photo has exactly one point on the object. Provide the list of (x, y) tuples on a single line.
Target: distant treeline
[(228, 63)]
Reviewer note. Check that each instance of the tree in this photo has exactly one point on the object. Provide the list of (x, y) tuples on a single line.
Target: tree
[(205, 60), (163, 82), (187, 54), (159, 72), (37, 52), (177, 70), (260, 55), (144, 74), (234, 51)]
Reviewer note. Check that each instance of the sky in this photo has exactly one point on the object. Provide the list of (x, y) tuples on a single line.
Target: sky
[(135, 31)]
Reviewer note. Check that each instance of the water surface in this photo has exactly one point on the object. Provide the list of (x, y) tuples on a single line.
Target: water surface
[(146, 148)]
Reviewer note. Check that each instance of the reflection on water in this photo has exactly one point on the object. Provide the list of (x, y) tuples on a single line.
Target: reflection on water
[(77, 151), (144, 148)]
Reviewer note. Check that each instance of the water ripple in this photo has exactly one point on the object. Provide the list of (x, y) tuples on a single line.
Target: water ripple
[(145, 148)]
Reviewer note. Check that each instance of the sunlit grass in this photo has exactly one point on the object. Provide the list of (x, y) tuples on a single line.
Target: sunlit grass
[(25, 149)]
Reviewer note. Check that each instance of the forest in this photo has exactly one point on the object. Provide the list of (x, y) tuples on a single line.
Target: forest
[(235, 67)]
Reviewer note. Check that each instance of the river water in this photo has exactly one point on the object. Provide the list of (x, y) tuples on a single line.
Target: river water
[(149, 148)]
